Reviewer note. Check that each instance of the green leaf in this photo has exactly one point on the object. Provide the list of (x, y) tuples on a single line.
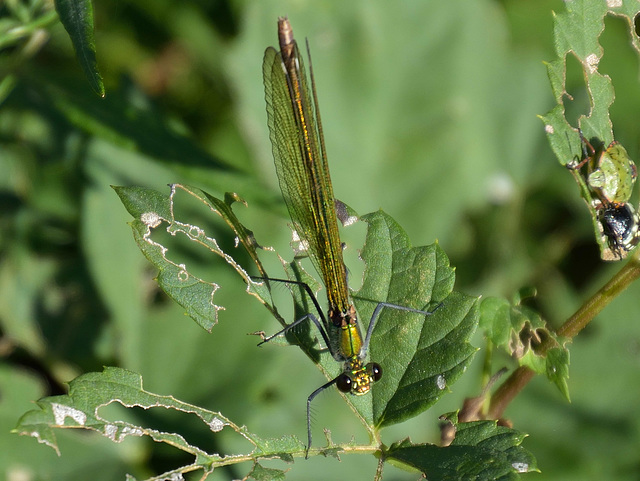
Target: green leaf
[(90, 392), (260, 473), (151, 209), (495, 321), (480, 451), (421, 356), (557, 369), (77, 18)]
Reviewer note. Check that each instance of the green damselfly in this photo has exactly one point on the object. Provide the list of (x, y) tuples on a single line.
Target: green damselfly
[(301, 165)]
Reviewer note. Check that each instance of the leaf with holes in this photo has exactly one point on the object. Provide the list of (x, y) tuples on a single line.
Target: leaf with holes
[(577, 31), (80, 409), (150, 210)]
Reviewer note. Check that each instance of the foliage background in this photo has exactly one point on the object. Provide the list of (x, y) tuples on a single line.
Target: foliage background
[(429, 111)]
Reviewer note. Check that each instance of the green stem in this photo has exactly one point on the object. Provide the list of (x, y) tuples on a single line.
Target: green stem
[(379, 469), (578, 321), (629, 273), (486, 374)]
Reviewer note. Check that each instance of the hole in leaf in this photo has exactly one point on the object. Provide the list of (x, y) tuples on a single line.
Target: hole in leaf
[(620, 62), (578, 103)]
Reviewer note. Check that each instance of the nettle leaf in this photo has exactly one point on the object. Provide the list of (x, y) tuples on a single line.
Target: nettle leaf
[(523, 334), (150, 210), (77, 18), (89, 392), (421, 356), (481, 450), (576, 32), (495, 320)]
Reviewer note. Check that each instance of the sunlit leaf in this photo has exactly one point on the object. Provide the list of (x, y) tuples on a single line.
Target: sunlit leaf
[(80, 409), (481, 450), (151, 210)]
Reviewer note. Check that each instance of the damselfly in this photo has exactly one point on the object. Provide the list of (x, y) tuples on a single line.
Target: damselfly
[(301, 165)]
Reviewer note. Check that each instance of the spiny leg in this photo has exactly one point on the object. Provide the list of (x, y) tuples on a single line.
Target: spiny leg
[(573, 165), (308, 316), (309, 399)]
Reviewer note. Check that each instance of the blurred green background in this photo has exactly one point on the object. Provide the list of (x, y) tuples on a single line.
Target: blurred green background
[(429, 111)]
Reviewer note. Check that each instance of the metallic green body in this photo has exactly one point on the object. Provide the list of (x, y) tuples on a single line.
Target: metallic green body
[(301, 165)]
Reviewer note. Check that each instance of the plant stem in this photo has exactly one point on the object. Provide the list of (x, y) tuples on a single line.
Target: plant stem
[(379, 468), (578, 321), (629, 273)]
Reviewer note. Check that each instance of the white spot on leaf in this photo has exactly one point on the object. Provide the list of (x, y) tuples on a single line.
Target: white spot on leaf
[(61, 412), (592, 62), (183, 275), (113, 432), (216, 425), (441, 382), (521, 467), (110, 431), (128, 430), (151, 219), (549, 129)]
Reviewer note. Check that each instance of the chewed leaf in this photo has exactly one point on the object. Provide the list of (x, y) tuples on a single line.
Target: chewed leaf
[(481, 450), (150, 210), (576, 32), (421, 356), (524, 335), (89, 392)]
